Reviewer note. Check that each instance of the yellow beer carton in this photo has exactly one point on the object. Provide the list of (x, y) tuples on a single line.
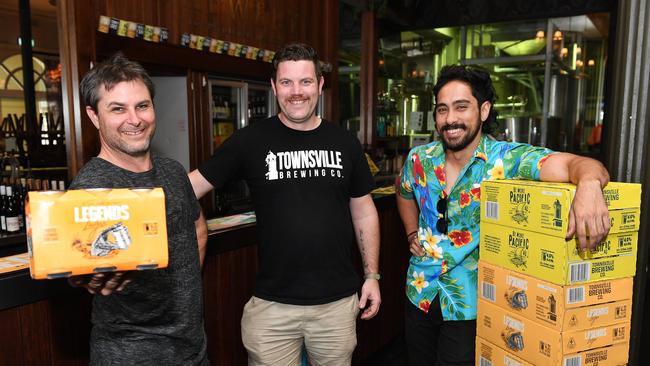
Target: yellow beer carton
[(543, 346), (544, 207), (558, 307), (95, 230), (555, 260), (615, 355), (487, 354)]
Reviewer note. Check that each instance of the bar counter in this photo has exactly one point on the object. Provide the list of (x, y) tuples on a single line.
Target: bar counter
[(48, 322)]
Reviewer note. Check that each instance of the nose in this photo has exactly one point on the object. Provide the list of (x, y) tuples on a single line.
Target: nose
[(296, 88), (132, 117)]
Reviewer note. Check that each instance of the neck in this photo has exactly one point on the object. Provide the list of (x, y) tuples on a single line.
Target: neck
[(310, 124), (460, 158), (136, 164)]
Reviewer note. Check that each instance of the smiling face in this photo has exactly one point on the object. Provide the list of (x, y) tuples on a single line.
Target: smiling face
[(125, 119), (297, 88), (458, 116)]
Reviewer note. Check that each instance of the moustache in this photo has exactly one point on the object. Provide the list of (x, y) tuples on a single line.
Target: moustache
[(454, 126)]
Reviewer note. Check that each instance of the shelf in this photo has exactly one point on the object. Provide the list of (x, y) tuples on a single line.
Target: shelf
[(167, 54), (504, 60), (12, 239)]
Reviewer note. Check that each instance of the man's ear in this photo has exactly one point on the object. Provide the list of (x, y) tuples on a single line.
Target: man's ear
[(273, 87), (485, 110), (93, 116)]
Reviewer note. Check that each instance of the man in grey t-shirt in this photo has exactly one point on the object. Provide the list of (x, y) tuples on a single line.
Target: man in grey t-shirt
[(142, 317)]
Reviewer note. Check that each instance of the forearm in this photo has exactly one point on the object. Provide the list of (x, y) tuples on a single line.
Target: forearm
[(582, 170), (200, 185), (409, 212), (201, 237), (365, 221), (564, 167), (367, 234)]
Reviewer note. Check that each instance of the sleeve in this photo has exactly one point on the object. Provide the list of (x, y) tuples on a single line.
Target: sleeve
[(226, 162), (362, 181), (91, 176), (405, 188), (188, 193), (525, 161)]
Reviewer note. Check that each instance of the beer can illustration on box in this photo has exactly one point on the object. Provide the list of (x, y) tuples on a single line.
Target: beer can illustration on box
[(103, 23)]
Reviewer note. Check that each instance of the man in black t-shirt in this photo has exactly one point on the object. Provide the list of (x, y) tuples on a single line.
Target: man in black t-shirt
[(152, 317), (310, 185)]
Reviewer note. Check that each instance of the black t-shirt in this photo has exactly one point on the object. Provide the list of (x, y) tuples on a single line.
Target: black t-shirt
[(301, 183), (158, 318)]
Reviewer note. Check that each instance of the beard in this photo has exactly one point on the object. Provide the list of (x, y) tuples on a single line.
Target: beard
[(459, 145)]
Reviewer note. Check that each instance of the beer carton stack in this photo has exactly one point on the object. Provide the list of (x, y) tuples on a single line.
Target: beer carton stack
[(543, 301)]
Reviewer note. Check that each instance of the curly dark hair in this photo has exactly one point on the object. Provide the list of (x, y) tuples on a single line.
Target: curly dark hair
[(296, 52), (482, 89)]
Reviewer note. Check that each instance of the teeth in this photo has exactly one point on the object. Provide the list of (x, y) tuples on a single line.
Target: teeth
[(132, 132)]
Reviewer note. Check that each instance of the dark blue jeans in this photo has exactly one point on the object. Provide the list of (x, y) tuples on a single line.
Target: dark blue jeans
[(432, 341)]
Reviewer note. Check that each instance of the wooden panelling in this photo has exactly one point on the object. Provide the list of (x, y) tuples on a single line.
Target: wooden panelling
[(373, 334), (228, 282), (48, 332), (56, 331), (265, 24), (11, 338)]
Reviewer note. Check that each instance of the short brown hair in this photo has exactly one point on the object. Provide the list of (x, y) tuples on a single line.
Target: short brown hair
[(109, 73), (296, 52)]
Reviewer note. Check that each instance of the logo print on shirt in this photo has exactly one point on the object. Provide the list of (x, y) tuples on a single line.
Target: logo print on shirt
[(271, 163), (303, 164)]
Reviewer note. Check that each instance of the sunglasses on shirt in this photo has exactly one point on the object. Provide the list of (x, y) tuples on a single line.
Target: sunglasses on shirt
[(441, 224)]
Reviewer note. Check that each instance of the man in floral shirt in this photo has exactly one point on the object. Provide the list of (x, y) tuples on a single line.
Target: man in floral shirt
[(438, 200)]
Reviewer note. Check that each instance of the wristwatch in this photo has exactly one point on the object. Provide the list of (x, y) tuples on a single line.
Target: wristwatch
[(372, 276)]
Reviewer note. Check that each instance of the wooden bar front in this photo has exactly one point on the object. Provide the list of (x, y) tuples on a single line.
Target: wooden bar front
[(53, 326)]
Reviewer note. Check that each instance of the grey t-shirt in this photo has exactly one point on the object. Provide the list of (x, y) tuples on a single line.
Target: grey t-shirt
[(158, 318)]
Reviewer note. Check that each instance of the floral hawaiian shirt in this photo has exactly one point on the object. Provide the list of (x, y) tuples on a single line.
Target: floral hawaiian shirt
[(449, 268)]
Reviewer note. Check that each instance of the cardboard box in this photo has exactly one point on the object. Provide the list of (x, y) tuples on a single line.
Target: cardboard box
[(558, 307), (487, 354), (95, 230), (553, 259), (544, 207), (540, 345)]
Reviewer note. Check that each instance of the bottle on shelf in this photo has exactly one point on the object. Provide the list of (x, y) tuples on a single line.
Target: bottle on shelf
[(3, 208), (11, 212)]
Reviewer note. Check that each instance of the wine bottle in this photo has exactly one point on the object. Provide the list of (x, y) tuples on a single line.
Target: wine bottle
[(11, 212)]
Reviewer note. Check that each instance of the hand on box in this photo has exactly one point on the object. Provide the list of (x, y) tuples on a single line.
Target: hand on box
[(588, 217), (101, 283)]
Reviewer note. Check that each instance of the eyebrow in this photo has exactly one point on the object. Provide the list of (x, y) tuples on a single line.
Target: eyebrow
[(455, 102), (119, 104)]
